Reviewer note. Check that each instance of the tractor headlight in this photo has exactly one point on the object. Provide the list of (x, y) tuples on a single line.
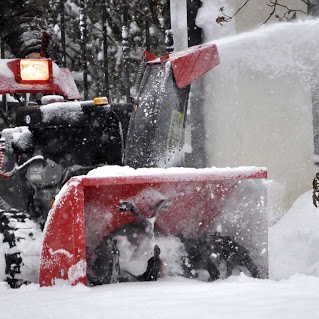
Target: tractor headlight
[(34, 173), (32, 71)]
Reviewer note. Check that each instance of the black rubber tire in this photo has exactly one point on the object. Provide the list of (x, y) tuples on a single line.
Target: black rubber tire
[(226, 251), (235, 255), (198, 256), (17, 229), (104, 264)]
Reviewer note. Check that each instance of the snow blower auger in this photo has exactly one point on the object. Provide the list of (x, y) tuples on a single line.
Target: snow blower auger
[(134, 224)]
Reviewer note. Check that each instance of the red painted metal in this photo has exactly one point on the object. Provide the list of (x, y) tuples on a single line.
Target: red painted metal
[(149, 56), (88, 211), (63, 252), (62, 81), (191, 63)]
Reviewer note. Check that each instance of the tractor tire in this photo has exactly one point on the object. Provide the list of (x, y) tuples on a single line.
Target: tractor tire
[(231, 256), (207, 258), (104, 266), (20, 248), (220, 256)]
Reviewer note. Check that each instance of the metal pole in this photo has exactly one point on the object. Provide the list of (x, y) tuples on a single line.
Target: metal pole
[(195, 34), (141, 68), (169, 41), (126, 50), (198, 156), (83, 44), (62, 21), (2, 49), (147, 24), (4, 96), (105, 47)]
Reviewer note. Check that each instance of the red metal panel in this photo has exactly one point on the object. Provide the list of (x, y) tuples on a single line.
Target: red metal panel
[(192, 210), (63, 253), (194, 63), (190, 64), (149, 56), (197, 198)]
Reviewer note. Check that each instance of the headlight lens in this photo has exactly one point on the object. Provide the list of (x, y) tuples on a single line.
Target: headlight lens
[(34, 174), (44, 173)]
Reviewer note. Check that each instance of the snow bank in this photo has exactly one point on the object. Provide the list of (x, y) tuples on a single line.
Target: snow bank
[(178, 298), (294, 241)]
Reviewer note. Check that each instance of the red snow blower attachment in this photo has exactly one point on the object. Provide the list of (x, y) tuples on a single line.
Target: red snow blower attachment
[(111, 229)]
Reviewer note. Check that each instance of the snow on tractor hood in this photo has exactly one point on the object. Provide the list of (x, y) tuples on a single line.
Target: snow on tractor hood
[(69, 112)]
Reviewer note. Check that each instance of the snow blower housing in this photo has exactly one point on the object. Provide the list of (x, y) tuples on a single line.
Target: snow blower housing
[(124, 224), (200, 219)]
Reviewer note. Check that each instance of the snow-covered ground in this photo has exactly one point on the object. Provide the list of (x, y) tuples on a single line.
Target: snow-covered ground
[(237, 297), (294, 253)]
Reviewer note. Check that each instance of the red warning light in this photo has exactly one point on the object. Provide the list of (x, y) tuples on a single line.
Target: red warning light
[(34, 71)]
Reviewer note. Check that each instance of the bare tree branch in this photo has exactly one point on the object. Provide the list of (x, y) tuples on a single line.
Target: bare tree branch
[(289, 14), (225, 17), (290, 10), (274, 5), (240, 8)]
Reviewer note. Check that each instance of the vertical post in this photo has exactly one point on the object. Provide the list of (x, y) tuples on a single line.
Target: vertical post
[(105, 47), (195, 34), (62, 22), (83, 44), (169, 41), (4, 96), (126, 50), (313, 10), (147, 25), (198, 158)]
